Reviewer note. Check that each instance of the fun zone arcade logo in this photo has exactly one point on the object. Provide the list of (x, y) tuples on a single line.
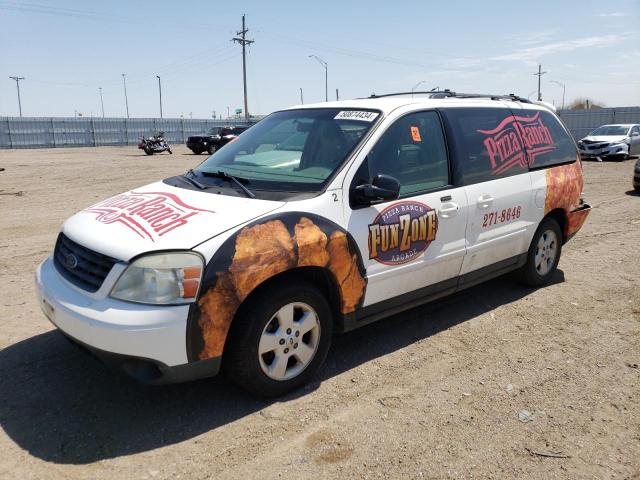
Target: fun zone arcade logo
[(401, 232)]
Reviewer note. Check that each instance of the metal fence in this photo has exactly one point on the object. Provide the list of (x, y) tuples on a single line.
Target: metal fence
[(581, 122), (38, 132)]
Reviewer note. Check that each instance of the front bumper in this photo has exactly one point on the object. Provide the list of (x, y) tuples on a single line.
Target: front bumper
[(615, 150), (148, 342), (576, 219)]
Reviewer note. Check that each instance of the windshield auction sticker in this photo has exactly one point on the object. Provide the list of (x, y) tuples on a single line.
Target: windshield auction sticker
[(401, 232), (360, 115)]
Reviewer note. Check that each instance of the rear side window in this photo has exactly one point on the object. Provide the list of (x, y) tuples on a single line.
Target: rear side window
[(487, 144), (545, 139)]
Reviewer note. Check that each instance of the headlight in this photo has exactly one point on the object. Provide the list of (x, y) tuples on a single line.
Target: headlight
[(164, 278), (204, 143)]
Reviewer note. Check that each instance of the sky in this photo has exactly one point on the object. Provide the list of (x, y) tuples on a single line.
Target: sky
[(68, 49)]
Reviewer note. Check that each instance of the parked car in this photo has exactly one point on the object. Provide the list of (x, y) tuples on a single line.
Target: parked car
[(636, 176), (616, 142), (318, 219), (215, 138)]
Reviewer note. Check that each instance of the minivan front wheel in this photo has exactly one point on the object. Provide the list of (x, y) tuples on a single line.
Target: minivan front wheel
[(543, 255), (279, 340)]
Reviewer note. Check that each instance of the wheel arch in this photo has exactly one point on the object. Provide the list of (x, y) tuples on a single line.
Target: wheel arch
[(560, 216), (319, 277)]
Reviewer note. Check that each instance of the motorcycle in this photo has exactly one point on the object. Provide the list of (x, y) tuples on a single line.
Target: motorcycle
[(154, 144)]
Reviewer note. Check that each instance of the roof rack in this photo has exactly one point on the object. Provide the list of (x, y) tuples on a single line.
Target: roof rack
[(449, 94)]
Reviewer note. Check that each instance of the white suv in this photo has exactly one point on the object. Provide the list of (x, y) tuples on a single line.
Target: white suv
[(320, 218)]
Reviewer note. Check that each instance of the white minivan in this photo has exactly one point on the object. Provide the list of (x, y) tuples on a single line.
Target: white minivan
[(318, 219)]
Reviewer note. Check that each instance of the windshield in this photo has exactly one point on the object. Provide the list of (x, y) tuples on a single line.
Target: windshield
[(294, 150), (214, 131), (608, 130)]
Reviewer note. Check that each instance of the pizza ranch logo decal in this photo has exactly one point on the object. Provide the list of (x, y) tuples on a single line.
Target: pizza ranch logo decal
[(401, 232), (148, 214), (506, 142)]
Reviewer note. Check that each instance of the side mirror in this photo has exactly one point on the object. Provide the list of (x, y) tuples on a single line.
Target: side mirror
[(634, 134), (383, 188)]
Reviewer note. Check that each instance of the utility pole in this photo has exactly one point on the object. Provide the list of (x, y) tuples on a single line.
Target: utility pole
[(539, 75), (242, 40), (17, 79), (563, 91), (101, 101), (126, 100), (160, 90), (301, 97), (228, 112), (337, 95), (326, 87)]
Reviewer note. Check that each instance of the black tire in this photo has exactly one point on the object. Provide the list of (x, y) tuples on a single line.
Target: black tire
[(211, 149), (148, 151), (197, 152), (530, 274), (241, 360)]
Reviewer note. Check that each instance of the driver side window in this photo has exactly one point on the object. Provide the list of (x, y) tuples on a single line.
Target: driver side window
[(413, 151)]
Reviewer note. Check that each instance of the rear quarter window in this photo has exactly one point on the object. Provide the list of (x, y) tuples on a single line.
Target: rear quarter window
[(552, 145)]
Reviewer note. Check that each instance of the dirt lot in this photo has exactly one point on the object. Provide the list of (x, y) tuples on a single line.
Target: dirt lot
[(433, 393)]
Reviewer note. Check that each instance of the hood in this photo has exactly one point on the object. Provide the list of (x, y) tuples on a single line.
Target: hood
[(605, 138), (204, 135), (160, 217)]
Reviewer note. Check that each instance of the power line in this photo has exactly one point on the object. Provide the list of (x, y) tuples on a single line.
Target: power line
[(242, 40)]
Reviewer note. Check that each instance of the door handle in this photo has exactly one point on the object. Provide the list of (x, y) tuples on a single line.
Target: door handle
[(485, 200), (448, 210)]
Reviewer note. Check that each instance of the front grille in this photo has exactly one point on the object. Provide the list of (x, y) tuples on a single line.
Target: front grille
[(81, 266), (194, 139), (596, 147)]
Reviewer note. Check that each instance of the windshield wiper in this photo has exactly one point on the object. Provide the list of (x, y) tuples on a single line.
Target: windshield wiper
[(237, 180), (193, 181)]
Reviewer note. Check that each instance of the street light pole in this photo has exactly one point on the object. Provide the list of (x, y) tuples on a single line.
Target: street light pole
[(326, 76), (101, 101), (126, 100), (563, 90), (413, 89), (301, 97), (17, 79), (160, 90)]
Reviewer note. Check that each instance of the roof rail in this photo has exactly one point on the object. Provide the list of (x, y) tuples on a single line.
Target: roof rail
[(449, 94)]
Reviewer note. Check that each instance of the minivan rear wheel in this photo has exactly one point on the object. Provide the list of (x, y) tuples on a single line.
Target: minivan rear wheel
[(543, 255), (279, 340)]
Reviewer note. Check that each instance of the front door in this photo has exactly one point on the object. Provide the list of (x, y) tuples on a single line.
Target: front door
[(634, 139), (417, 240)]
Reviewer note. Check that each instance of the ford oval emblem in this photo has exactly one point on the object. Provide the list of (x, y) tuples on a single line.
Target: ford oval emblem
[(71, 261)]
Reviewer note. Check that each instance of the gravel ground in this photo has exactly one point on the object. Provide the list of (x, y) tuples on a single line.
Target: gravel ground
[(499, 381)]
